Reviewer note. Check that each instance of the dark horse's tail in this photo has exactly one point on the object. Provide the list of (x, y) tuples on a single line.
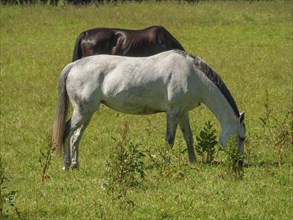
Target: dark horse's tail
[(174, 43), (77, 54)]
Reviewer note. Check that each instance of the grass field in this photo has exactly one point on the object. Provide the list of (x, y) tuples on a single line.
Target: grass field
[(248, 44)]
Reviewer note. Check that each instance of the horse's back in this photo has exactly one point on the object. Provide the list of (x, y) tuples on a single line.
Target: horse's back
[(148, 68)]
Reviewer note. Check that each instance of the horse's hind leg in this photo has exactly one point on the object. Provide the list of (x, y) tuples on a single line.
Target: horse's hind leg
[(75, 143), (75, 128), (187, 133), (67, 153)]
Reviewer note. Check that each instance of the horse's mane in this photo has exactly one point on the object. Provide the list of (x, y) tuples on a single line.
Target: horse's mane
[(216, 79)]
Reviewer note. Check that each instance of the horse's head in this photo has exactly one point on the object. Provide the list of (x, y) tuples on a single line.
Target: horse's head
[(237, 128)]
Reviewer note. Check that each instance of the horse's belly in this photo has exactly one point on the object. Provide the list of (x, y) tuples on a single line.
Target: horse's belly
[(136, 107)]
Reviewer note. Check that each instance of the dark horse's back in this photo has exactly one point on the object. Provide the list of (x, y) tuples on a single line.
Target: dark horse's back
[(136, 43)]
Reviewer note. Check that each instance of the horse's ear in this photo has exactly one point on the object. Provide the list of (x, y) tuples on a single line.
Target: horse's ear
[(242, 117)]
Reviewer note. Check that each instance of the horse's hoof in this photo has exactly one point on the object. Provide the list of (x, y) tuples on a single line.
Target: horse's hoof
[(240, 163), (65, 168), (75, 166), (192, 160)]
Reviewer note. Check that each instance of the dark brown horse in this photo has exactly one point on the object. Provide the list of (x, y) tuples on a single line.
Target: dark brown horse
[(136, 43)]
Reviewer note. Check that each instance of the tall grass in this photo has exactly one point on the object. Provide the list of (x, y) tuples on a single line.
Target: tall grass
[(248, 44)]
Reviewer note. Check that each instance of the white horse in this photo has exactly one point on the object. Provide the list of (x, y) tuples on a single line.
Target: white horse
[(171, 82)]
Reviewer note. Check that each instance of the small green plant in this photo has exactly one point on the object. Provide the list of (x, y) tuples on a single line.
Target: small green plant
[(277, 131), (234, 157), (8, 197), (124, 169), (206, 143)]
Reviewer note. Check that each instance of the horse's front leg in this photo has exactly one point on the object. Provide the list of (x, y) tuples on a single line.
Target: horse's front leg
[(187, 133), (172, 123)]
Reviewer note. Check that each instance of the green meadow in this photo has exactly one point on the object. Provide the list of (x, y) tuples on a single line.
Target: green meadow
[(249, 44)]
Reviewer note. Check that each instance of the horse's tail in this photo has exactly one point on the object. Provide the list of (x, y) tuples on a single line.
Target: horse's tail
[(173, 43), (77, 54), (61, 112)]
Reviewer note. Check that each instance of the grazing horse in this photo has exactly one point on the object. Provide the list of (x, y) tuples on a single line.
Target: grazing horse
[(133, 43), (171, 82)]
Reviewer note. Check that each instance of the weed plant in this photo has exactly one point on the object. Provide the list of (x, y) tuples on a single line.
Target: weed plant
[(45, 159), (206, 143), (124, 169), (234, 157), (278, 132)]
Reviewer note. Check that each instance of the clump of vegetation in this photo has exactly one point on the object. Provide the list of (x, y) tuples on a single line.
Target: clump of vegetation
[(125, 168), (277, 131), (235, 157), (7, 197), (206, 143)]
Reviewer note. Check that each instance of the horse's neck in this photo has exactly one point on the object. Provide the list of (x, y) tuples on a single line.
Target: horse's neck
[(220, 107)]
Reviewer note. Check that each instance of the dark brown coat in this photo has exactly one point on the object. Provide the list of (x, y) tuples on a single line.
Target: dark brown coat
[(136, 43)]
